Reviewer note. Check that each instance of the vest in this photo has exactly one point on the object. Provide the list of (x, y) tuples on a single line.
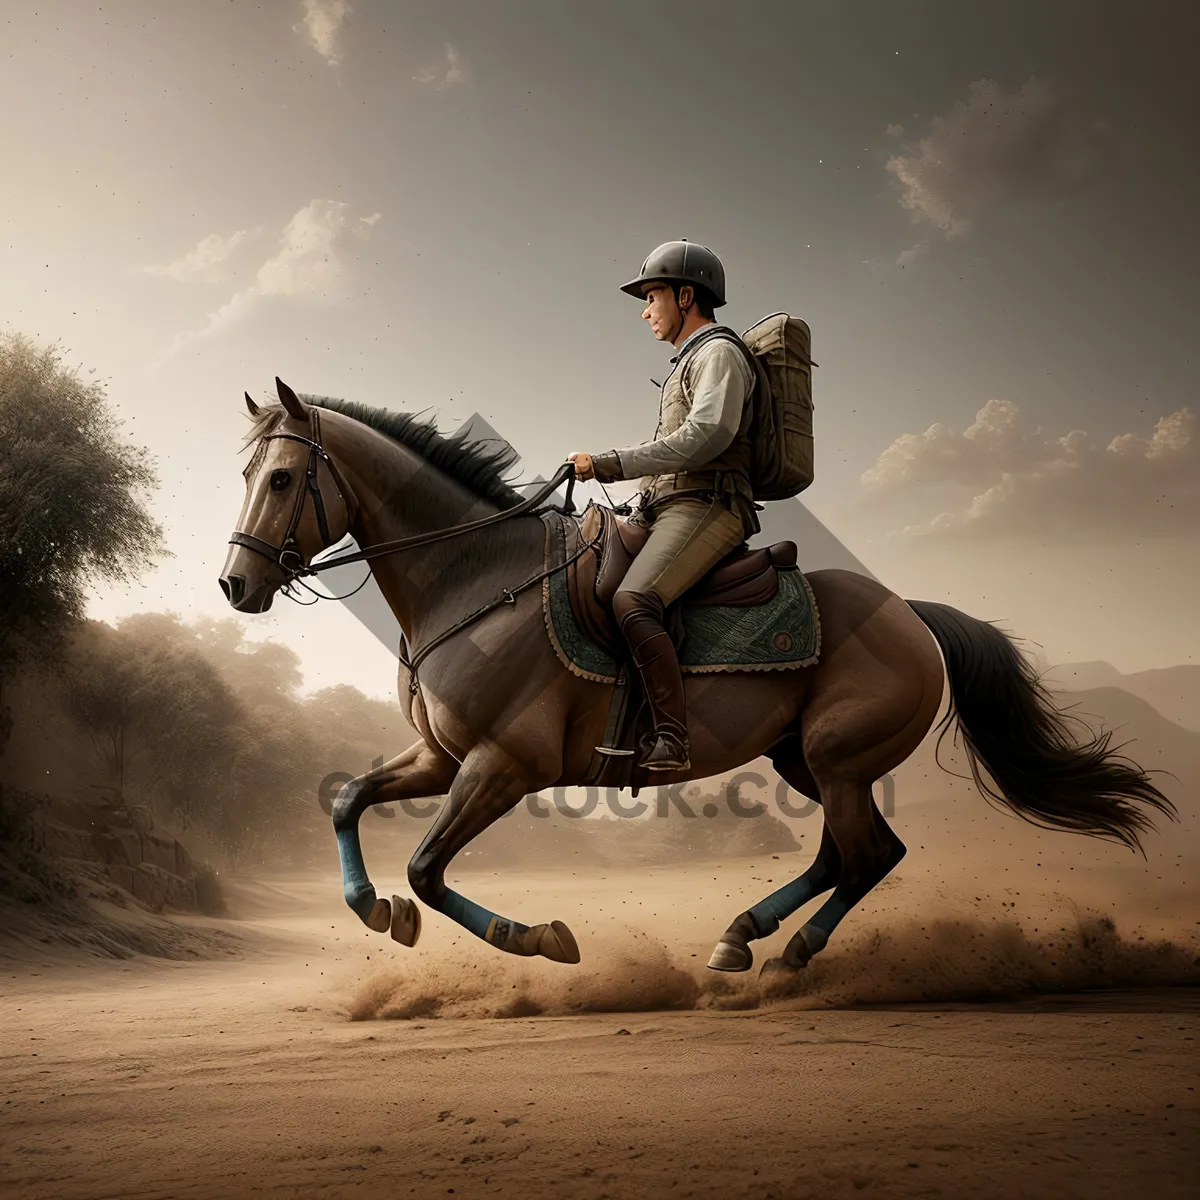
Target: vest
[(727, 475)]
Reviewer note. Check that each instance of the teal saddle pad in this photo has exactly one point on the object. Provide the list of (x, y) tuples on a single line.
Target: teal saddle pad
[(783, 634)]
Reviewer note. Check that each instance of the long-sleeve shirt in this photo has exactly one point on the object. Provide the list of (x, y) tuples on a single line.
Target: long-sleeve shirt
[(721, 384)]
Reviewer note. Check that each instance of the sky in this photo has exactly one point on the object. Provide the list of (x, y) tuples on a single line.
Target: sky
[(985, 213)]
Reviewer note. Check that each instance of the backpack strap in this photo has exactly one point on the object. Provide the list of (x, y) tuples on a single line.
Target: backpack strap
[(722, 333)]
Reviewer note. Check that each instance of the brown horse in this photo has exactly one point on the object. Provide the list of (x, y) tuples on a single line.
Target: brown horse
[(499, 717)]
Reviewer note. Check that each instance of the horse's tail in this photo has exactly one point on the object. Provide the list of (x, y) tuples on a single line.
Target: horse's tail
[(1011, 727)]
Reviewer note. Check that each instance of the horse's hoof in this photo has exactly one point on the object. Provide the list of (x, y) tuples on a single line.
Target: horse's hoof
[(805, 942), (777, 970), (796, 956), (380, 916), (556, 942), (731, 956), (406, 921)]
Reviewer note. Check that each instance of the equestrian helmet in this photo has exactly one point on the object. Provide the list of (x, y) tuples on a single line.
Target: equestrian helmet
[(679, 263)]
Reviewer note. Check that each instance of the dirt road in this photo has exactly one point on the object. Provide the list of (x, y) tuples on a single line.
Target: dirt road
[(278, 1073)]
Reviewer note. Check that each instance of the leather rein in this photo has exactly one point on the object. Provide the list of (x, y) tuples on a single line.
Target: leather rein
[(289, 550)]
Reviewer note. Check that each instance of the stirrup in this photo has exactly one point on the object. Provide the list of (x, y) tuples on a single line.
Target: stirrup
[(669, 744), (612, 751)]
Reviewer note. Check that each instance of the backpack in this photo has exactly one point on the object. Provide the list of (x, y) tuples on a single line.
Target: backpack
[(781, 429)]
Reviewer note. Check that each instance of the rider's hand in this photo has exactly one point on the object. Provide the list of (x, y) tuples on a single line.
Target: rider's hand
[(583, 465)]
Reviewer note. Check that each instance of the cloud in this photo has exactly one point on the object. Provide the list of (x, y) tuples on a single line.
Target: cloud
[(451, 70), (322, 24), (894, 130), (907, 257), (310, 260), (994, 147), (310, 263), (206, 261), (1018, 481)]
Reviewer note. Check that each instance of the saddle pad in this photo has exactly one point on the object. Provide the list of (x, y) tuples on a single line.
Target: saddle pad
[(781, 635)]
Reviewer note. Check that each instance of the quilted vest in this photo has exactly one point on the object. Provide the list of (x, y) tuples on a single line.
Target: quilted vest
[(728, 474)]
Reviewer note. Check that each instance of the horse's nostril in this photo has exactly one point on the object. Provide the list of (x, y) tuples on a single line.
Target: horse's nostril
[(234, 587)]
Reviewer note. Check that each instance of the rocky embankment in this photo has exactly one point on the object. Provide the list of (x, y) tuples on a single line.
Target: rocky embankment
[(107, 851), (118, 852)]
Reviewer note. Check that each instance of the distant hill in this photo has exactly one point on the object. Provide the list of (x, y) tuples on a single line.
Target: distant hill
[(1154, 740), (1174, 691)]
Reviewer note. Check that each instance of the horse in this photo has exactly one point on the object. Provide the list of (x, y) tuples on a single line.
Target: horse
[(455, 550)]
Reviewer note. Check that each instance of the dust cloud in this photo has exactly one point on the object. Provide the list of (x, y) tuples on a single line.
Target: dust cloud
[(946, 960)]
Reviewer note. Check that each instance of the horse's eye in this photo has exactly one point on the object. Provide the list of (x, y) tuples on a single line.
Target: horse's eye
[(280, 480)]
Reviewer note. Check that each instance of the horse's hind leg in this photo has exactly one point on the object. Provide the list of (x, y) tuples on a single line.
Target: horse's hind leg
[(733, 950), (869, 850), (869, 704)]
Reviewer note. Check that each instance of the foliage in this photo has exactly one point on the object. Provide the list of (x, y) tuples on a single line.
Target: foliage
[(72, 494), (149, 703), (210, 730), (206, 727)]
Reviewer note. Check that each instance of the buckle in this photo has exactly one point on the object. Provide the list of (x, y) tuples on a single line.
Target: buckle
[(294, 552)]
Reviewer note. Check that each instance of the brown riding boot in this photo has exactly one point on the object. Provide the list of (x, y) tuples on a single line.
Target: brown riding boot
[(657, 663)]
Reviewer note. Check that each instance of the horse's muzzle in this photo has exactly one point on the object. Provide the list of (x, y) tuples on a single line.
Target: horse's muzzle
[(234, 587)]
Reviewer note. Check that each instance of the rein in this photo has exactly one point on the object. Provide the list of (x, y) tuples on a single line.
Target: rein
[(289, 549), (507, 596)]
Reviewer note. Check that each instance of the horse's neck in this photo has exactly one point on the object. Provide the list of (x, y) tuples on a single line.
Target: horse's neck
[(400, 495)]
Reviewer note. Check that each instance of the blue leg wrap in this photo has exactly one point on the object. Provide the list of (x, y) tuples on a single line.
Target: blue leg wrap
[(472, 916), (780, 905), (357, 888), (784, 901)]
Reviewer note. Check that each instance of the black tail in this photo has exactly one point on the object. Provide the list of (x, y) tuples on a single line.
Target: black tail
[(1011, 727)]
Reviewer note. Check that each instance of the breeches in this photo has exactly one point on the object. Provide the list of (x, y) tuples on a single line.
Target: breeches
[(688, 537)]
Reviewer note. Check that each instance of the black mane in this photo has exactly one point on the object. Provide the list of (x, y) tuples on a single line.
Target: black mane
[(473, 464)]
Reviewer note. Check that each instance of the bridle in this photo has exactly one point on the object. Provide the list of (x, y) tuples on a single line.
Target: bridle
[(312, 487), (316, 454), (287, 549)]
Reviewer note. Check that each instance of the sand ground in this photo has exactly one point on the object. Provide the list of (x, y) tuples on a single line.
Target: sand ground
[(312, 1058)]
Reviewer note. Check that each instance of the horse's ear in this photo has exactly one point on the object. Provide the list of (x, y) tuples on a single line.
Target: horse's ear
[(251, 406), (290, 400)]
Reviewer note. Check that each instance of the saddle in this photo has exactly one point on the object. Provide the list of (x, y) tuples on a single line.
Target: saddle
[(744, 578)]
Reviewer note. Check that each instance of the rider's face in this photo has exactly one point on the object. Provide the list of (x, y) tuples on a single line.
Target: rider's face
[(661, 311)]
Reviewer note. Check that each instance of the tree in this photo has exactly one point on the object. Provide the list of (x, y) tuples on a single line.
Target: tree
[(210, 730), (156, 713), (209, 736), (265, 674), (72, 495)]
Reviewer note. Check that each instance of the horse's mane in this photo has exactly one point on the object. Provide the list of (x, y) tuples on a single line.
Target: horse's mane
[(474, 464)]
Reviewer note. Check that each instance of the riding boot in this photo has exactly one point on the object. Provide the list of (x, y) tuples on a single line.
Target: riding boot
[(658, 665)]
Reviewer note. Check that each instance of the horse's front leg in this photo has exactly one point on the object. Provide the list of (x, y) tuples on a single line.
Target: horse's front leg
[(420, 771), (489, 783)]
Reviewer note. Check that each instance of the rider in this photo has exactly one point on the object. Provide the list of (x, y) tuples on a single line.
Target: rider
[(697, 500)]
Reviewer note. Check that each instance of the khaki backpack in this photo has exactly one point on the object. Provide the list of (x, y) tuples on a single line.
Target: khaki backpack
[(781, 430), (781, 433)]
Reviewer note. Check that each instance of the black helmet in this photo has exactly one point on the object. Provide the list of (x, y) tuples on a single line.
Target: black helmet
[(681, 262)]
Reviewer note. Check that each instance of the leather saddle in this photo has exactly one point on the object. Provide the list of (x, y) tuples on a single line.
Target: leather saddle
[(744, 578)]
